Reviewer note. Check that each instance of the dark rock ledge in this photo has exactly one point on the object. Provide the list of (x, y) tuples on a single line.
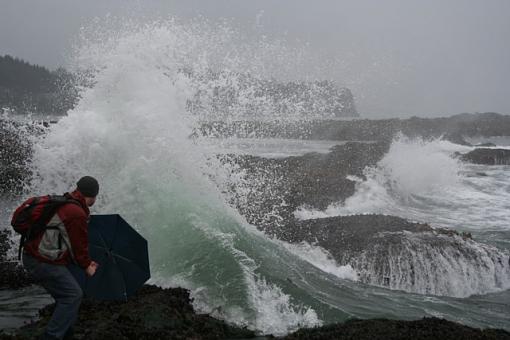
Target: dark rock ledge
[(487, 156), (426, 328), (155, 313), (12, 275)]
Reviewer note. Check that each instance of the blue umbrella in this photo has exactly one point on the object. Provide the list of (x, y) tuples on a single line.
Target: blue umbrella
[(122, 255)]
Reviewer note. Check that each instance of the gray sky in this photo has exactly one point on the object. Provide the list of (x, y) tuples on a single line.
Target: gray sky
[(400, 57)]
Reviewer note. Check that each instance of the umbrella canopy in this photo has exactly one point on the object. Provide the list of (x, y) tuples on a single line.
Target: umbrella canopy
[(122, 255)]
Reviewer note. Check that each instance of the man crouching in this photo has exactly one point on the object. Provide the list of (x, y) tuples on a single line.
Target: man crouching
[(64, 240)]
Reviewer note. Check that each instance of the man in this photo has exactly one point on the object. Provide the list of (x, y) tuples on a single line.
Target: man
[(65, 241)]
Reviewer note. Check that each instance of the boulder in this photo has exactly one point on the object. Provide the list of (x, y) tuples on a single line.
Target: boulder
[(391, 252), (487, 156)]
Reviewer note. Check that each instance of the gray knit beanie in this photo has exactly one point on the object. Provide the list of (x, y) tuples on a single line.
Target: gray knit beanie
[(88, 186)]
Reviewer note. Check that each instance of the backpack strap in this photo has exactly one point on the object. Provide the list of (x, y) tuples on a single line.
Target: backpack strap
[(22, 242)]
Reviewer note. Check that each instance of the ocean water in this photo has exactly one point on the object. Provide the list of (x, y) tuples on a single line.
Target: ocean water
[(132, 130)]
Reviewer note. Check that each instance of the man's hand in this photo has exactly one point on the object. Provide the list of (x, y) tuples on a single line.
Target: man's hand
[(91, 269)]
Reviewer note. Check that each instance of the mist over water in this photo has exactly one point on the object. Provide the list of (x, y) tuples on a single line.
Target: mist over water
[(132, 129)]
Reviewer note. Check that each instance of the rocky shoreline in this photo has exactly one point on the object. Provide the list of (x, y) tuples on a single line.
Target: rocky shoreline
[(312, 180), (455, 128), (156, 313), (278, 188), (152, 313)]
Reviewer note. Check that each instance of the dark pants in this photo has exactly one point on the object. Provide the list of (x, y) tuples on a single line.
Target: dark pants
[(62, 286)]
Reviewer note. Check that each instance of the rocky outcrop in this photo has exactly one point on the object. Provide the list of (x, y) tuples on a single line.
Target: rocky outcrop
[(156, 313), (272, 189), (488, 156), (152, 313), (349, 234), (5, 244), (15, 150), (455, 128), (385, 250), (12, 275), (486, 145), (424, 329), (391, 252), (456, 138)]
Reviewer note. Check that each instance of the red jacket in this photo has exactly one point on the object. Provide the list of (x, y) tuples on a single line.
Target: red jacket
[(68, 242)]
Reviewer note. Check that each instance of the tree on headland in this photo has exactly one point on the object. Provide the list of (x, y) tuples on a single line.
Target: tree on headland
[(26, 88)]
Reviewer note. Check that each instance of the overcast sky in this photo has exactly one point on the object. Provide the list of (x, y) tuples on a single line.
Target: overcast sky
[(400, 57)]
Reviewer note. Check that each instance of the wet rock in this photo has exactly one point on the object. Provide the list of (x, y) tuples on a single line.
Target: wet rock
[(348, 234), (5, 244), (12, 274), (426, 328), (476, 174), (487, 156), (391, 252), (317, 180), (450, 232), (456, 138), (14, 152), (274, 188), (385, 250), (458, 126), (152, 313), (156, 313)]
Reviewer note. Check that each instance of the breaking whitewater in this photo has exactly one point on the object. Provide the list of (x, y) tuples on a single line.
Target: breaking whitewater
[(247, 220)]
